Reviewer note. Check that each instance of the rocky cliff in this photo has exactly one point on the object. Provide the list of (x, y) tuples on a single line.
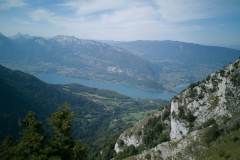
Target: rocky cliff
[(199, 116)]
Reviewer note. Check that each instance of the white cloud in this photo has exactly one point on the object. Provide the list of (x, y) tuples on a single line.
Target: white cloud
[(41, 14), (187, 10), (9, 4), (124, 19), (181, 10), (82, 7), (137, 22), (130, 15)]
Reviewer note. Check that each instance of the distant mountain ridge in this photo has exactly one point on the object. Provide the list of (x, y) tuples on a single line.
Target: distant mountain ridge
[(175, 50), (76, 57), (181, 62), (150, 65)]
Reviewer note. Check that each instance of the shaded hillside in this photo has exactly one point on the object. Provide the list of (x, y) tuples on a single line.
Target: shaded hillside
[(22, 92), (98, 113)]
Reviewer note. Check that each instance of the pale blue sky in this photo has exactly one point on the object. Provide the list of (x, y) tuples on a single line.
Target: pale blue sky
[(203, 21)]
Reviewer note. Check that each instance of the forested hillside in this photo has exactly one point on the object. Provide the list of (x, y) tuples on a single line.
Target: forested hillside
[(98, 114)]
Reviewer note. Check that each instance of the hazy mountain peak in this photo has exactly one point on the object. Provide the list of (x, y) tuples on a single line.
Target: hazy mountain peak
[(20, 35), (74, 40), (64, 38), (3, 36)]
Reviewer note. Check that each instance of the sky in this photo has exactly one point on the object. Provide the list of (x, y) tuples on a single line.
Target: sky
[(214, 22)]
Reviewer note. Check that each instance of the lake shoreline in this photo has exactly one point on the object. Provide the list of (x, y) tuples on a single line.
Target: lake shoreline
[(124, 89)]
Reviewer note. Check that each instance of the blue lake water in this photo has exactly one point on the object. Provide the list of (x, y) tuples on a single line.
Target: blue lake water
[(128, 90)]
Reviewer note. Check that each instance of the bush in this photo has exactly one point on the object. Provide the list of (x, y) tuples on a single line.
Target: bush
[(201, 95), (211, 134), (189, 117), (222, 72), (148, 156), (209, 122), (120, 143), (181, 114), (128, 151), (166, 113), (155, 132), (214, 102), (235, 78), (193, 92)]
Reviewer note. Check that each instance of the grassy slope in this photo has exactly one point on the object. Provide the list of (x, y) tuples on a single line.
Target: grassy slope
[(227, 145)]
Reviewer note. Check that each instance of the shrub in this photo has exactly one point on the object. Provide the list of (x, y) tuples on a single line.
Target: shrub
[(189, 117), (208, 78), (166, 113), (128, 151), (209, 122), (120, 143), (154, 132), (214, 102), (235, 78), (211, 134), (222, 72), (148, 156), (201, 95), (193, 92)]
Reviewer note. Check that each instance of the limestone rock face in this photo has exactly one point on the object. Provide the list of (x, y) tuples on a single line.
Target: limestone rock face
[(136, 135), (205, 100), (217, 98), (133, 136)]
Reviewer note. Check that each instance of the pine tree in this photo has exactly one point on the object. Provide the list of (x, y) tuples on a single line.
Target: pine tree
[(62, 145), (7, 149), (31, 143)]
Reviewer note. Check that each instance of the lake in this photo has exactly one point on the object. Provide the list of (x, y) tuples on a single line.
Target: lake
[(124, 89)]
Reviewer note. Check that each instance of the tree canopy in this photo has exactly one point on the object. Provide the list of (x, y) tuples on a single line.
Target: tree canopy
[(35, 144)]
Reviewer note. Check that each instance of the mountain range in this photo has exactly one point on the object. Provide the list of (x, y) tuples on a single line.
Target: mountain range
[(75, 57), (150, 65)]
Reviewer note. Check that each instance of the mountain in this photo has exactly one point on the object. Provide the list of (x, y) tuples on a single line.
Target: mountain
[(98, 114), (180, 62), (70, 56), (160, 51), (201, 123), (149, 65)]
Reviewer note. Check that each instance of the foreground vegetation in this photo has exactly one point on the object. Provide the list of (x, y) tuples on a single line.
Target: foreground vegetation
[(35, 143)]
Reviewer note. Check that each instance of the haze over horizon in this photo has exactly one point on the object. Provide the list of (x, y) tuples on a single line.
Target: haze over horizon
[(214, 22)]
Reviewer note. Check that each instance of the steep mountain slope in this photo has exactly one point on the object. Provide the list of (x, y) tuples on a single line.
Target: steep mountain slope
[(97, 112), (180, 62), (200, 117), (75, 57)]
